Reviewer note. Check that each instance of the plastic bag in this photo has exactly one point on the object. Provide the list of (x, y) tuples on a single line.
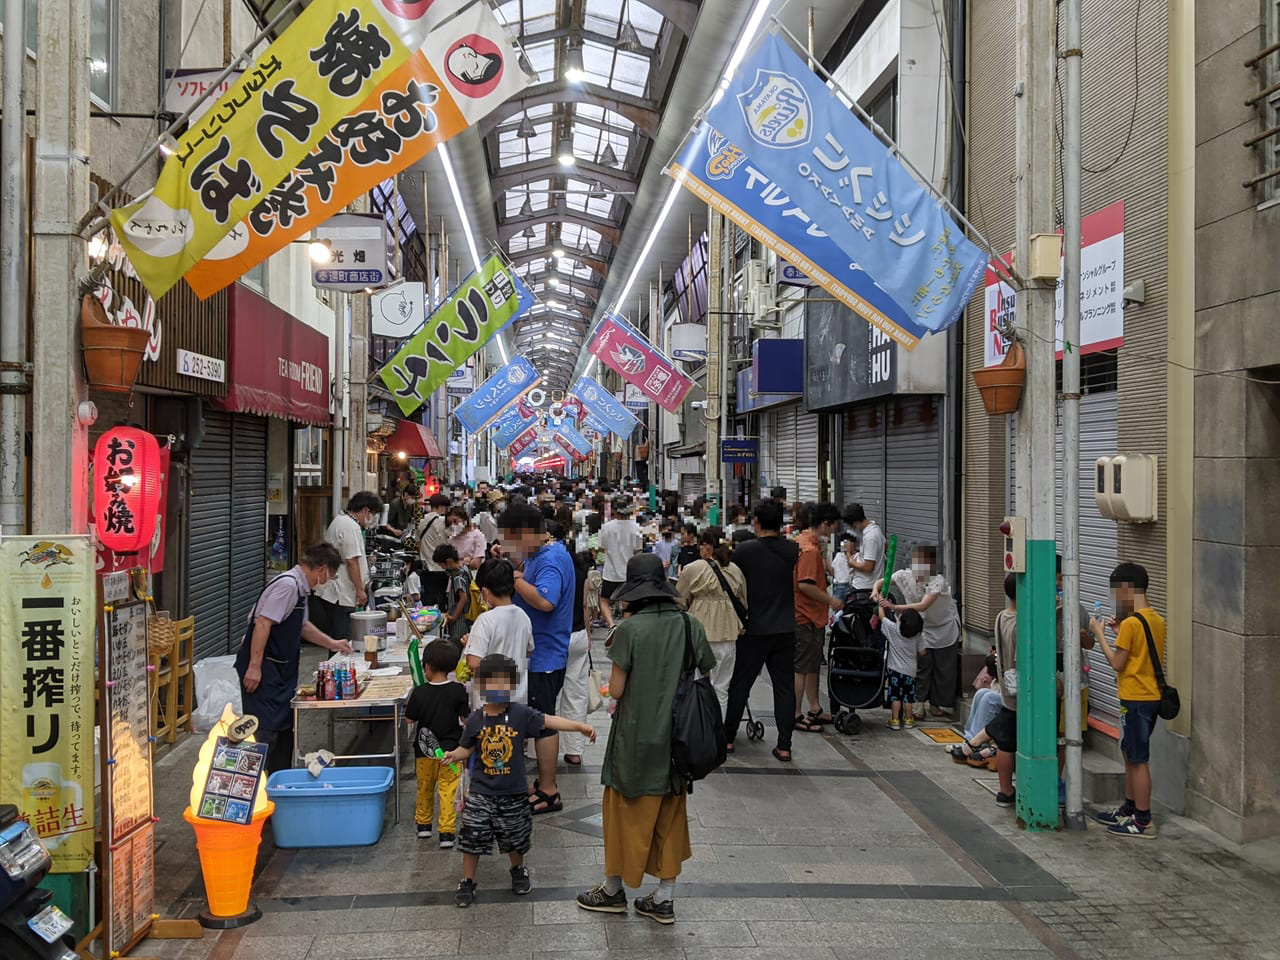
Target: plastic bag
[(217, 684)]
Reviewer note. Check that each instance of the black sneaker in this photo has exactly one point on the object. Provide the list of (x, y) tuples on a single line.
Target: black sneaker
[(466, 894), (1109, 818), (446, 841), (424, 831), (520, 883), (664, 912), (601, 901), (1006, 799)]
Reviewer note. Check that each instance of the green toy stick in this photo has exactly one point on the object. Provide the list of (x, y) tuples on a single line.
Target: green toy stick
[(439, 755), (890, 557)]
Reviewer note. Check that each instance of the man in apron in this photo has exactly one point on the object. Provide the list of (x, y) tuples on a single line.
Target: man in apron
[(268, 658)]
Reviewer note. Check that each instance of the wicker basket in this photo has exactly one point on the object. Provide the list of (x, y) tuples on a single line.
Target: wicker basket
[(162, 634)]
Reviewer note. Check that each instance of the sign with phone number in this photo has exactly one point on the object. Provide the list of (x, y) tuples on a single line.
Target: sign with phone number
[(201, 367)]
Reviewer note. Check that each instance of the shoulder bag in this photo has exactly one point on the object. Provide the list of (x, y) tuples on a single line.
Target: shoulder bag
[(738, 608), (698, 742), (1170, 702)]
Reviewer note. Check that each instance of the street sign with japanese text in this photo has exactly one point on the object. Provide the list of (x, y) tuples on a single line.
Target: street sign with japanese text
[(47, 691), (358, 242), (485, 302), (739, 450), (845, 182), (324, 66)]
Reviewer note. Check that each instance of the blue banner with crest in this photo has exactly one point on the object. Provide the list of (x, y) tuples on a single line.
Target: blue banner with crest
[(604, 406), (496, 394)]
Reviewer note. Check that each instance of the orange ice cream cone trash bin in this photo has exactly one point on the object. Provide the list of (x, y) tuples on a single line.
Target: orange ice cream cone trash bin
[(228, 853)]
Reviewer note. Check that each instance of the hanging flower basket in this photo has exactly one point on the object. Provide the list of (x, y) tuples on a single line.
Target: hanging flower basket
[(1001, 385), (112, 353)]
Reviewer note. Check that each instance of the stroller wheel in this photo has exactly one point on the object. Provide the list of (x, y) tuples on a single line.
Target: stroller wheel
[(755, 730), (848, 723)]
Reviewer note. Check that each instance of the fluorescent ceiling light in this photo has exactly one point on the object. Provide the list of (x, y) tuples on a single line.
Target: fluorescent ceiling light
[(457, 202)]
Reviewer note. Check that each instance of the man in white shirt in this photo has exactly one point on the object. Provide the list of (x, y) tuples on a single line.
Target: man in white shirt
[(620, 539), (432, 532), (867, 565), (333, 603)]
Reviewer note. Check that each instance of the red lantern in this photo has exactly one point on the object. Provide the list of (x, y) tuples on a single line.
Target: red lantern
[(431, 487), (126, 479)]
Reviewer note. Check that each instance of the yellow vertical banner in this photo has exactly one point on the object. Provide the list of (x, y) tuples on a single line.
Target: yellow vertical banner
[(329, 60), (47, 604)]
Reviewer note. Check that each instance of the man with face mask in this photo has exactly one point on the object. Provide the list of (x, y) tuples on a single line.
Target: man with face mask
[(267, 661), (333, 603), (431, 534)]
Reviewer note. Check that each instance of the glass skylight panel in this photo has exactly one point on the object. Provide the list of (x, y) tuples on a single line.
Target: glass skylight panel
[(647, 21), (542, 56), (630, 73), (597, 59), (536, 193)]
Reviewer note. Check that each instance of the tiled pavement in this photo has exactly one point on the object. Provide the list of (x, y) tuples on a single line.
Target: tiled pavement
[(866, 846)]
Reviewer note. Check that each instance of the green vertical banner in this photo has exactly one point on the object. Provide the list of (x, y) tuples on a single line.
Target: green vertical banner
[(485, 302), (1037, 767)]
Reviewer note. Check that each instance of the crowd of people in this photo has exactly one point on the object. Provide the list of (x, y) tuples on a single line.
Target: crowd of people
[(523, 574)]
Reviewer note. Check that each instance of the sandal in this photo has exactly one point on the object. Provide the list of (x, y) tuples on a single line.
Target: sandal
[(918, 717), (573, 759), (550, 804), (806, 726), (959, 753), (982, 756), (782, 756), (820, 718), (728, 747)]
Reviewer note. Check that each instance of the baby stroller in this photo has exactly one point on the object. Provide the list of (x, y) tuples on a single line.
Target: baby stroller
[(855, 665)]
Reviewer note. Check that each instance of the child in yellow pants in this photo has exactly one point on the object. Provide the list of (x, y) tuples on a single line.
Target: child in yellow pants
[(438, 708)]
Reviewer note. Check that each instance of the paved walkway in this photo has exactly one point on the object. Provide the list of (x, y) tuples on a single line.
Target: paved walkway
[(865, 847)]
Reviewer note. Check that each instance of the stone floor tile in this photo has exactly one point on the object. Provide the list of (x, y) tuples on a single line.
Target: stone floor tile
[(375, 946), (291, 947), (693, 935), (484, 938)]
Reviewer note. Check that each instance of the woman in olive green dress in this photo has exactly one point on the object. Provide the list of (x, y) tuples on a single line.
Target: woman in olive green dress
[(646, 825)]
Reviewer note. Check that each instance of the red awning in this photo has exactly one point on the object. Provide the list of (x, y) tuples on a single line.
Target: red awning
[(279, 366), (415, 440)]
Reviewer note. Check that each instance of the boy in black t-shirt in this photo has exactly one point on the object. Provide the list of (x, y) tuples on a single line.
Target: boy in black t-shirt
[(457, 594), (497, 806), (438, 707)]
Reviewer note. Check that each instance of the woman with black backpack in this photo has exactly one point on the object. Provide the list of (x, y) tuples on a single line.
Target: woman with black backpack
[(714, 591), (646, 824)]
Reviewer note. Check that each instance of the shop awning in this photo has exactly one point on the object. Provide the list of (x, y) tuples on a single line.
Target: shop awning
[(414, 440), (279, 366)]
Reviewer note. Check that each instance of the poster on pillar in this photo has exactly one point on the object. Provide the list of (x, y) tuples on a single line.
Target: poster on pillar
[(47, 598), (721, 174), (842, 179), (1101, 290), (437, 94), (628, 354), (485, 302), (323, 66)]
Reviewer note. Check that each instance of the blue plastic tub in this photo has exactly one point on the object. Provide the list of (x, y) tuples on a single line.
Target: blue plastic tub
[(343, 807)]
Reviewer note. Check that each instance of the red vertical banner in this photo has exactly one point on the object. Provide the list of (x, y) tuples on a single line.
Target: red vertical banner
[(638, 363)]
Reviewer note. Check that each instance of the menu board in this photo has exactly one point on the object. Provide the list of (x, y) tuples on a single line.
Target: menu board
[(233, 780), (131, 870), (128, 716)]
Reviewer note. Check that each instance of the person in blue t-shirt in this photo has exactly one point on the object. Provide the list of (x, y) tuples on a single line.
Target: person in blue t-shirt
[(545, 585)]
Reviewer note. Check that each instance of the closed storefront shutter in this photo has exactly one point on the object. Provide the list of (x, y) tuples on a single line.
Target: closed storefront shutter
[(863, 469), (785, 449), (209, 536), (1098, 547), (227, 535), (768, 449), (913, 475), (807, 465), (692, 485), (249, 507)]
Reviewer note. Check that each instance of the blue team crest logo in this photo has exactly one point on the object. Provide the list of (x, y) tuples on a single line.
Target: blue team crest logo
[(517, 375), (777, 110)]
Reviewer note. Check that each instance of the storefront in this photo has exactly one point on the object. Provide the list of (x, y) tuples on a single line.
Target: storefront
[(249, 504)]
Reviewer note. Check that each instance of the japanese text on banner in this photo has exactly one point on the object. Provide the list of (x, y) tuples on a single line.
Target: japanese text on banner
[(485, 302), (846, 182), (639, 364), (326, 63), (495, 395), (47, 689), (604, 406)]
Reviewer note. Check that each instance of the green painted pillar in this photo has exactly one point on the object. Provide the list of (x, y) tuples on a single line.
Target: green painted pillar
[(1037, 770), (653, 497)]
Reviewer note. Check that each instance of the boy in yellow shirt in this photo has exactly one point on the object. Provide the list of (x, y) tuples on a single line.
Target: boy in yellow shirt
[(1135, 623)]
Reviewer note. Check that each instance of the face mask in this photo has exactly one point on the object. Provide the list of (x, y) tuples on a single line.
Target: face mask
[(499, 507), (370, 522), (455, 529), (920, 570), (496, 696)]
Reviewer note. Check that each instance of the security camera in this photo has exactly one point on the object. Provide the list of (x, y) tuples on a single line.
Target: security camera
[(698, 404), (1135, 294)]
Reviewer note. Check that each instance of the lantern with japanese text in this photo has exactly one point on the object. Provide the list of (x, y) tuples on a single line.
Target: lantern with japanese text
[(126, 472)]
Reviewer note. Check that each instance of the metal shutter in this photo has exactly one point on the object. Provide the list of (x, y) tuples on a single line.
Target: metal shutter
[(209, 537), (863, 469), (249, 507), (784, 447), (913, 473), (692, 485), (806, 435), (1098, 547), (768, 450)]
